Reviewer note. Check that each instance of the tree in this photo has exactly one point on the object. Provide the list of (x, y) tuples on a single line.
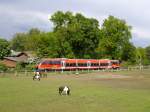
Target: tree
[(26, 41), (18, 42), (77, 33), (147, 52), (128, 53), (115, 39), (4, 48), (32, 39), (47, 45)]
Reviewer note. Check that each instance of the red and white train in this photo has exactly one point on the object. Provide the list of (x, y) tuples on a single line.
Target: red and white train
[(77, 64)]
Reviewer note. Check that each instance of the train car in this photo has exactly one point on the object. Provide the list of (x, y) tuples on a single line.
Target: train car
[(50, 64), (77, 64), (94, 64), (105, 64), (115, 64), (83, 64), (70, 64)]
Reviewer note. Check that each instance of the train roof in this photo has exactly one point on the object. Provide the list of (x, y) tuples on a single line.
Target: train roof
[(79, 60)]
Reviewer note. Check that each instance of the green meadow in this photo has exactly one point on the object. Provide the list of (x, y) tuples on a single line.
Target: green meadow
[(121, 91)]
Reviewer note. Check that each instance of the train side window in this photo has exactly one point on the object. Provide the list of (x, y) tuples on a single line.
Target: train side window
[(84, 64), (104, 64), (73, 64), (67, 65), (79, 64)]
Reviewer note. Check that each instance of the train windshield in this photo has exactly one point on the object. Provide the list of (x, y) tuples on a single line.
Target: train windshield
[(51, 62)]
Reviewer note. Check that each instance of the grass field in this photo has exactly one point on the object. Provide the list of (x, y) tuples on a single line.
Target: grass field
[(122, 91)]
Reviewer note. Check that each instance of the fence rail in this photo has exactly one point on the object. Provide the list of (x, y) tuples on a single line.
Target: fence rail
[(25, 73)]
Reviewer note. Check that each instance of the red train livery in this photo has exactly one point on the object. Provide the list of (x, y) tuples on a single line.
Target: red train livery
[(77, 64)]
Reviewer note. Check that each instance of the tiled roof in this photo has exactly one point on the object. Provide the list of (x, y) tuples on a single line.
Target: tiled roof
[(17, 59)]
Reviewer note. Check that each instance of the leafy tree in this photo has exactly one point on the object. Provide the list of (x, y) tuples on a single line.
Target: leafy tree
[(18, 42), (77, 33), (115, 39), (63, 48), (32, 40), (147, 52), (128, 53), (4, 48), (26, 41), (47, 45)]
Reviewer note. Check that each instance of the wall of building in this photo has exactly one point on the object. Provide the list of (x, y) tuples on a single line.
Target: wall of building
[(9, 63)]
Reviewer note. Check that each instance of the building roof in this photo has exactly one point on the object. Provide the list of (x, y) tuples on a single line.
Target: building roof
[(16, 59), (17, 54)]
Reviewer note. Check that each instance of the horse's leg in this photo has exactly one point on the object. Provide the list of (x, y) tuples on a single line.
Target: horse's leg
[(65, 92), (68, 92), (33, 77), (59, 92)]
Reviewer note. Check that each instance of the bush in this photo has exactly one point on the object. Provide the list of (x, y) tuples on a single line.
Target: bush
[(20, 65), (3, 67), (127, 64), (30, 66)]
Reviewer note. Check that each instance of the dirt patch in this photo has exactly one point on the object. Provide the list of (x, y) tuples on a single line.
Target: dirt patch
[(113, 76), (90, 76)]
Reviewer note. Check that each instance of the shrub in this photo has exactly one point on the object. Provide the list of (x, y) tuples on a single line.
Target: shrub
[(3, 67), (20, 65)]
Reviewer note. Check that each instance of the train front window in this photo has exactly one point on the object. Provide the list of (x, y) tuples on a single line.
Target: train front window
[(50, 62), (45, 62), (56, 62)]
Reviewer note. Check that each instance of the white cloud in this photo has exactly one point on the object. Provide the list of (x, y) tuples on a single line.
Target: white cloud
[(141, 33), (14, 20), (21, 15)]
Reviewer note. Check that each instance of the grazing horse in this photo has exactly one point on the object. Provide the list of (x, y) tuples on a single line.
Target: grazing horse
[(37, 76), (64, 90)]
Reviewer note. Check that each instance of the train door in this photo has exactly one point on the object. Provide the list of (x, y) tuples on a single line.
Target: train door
[(109, 65), (88, 64), (63, 65)]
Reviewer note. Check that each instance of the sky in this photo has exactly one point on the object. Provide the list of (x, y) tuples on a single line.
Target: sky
[(22, 15)]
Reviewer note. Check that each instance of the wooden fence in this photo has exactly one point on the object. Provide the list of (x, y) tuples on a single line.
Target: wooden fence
[(26, 73)]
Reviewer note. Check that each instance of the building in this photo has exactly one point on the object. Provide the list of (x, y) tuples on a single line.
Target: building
[(14, 59)]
